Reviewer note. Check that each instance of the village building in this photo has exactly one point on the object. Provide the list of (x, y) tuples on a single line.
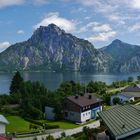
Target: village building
[(49, 111), (124, 97), (122, 121), (133, 90), (3, 123), (82, 108)]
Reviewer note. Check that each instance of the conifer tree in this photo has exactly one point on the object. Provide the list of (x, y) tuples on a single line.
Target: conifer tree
[(16, 82)]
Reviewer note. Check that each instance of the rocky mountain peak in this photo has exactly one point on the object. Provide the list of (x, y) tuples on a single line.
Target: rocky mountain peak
[(51, 28), (116, 41)]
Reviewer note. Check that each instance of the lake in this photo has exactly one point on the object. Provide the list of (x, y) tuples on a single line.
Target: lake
[(52, 80)]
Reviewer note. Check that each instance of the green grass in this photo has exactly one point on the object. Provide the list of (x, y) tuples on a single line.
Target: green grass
[(106, 107), (65, 124), (17, 124), (62, 124)]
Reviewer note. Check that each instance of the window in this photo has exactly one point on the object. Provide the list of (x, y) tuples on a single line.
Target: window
[(84, 115), (71, 114), (66, 114)]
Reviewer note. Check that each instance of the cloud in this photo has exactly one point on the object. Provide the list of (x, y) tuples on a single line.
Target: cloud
[(135, 4), (20, 32), (4, 45), (95, 27), (39, 2), (6, 3), (102, 28), (104, 36), (54, 17), (134, 28)]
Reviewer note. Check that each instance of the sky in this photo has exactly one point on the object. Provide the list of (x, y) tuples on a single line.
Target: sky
[(99, 21)]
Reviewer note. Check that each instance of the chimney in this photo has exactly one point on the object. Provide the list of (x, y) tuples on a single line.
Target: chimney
[(89, 96), (76, 97), (123, 126)]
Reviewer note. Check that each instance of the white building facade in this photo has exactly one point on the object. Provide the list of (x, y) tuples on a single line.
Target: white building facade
[(82, 108), (3, 123)]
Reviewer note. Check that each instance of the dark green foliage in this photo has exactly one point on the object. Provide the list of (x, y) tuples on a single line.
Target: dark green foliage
[(106, 98), (97, 87), (63, 134), (138, 77), (33, 95), (118, 84), (116, 101), (50, 137), (130, 79), (16, 83)]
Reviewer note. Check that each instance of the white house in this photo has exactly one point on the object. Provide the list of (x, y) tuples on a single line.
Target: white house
[(133, 90), (82, 108), (3, 123), (123, 97)]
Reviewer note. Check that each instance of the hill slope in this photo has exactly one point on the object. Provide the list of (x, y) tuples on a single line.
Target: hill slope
[(125, 57)]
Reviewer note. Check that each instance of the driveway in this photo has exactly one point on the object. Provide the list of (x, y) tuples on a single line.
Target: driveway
[(68, 132)]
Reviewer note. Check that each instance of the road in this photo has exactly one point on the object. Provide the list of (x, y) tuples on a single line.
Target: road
[(68, 132)]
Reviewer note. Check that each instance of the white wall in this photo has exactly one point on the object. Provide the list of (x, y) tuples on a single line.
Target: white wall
[(85, 116), (2, 128)]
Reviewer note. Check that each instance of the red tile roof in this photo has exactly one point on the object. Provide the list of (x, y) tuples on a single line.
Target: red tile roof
[(3, 138)]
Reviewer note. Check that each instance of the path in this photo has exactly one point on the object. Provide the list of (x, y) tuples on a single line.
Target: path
[(68, 132)]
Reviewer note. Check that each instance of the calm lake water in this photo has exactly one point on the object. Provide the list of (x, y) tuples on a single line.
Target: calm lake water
[(52, 80)]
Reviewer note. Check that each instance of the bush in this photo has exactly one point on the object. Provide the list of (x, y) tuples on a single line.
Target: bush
[(49, 137), (51, 126), (45, 125)]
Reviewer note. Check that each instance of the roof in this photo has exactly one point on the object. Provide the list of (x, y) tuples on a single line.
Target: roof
[(84, 100), (133, 88), (3, 138), (124, 95), (122, 119), (3, 120)]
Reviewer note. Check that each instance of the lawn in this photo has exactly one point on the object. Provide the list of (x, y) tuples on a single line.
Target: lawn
[(106, 107), (17, 124), (65, 124), (62, 124)]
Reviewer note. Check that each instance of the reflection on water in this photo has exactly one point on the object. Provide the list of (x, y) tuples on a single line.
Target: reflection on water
[(52, 80)]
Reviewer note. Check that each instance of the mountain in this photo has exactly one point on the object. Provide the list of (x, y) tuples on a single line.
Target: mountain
[(125, 57), (52, 49)]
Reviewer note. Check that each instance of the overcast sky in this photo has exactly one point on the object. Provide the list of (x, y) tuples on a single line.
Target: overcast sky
[(99, 21)]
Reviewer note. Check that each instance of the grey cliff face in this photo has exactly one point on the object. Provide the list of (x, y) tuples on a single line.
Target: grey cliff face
[(125, 57), (52, 49)]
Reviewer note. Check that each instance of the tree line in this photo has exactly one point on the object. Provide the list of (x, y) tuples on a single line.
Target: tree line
[(32, 97)]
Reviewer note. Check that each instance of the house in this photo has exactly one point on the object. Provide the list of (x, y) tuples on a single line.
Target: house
[(124, 97), (49, 111), (122, 121), (82, 108), (3, 123), (133, 90)]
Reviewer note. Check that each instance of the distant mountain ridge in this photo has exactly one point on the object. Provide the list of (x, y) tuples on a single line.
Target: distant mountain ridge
[(52, 49), (125, 58)]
